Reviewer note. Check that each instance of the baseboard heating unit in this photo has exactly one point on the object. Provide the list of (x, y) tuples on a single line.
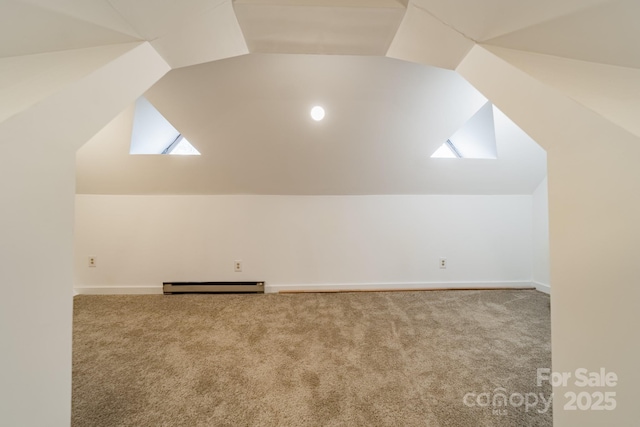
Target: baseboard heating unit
[(169, 288)]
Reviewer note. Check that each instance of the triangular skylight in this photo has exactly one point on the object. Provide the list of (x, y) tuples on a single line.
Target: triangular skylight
[(475, 140), (446, 151), (153, 134)]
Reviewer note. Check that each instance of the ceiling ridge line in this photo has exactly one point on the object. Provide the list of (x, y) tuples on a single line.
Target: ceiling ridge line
[(446, 24), (207, 8), (324, 6), (115, 9), (97, 46), (561, 92), (87, 21), (487, 44), (548, 20)]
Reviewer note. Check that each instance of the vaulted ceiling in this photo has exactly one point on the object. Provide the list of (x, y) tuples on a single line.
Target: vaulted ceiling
[(385, 115), (188, 32), (249, 117)]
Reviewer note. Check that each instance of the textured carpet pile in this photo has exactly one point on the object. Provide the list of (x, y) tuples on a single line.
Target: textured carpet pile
[(346, 359)]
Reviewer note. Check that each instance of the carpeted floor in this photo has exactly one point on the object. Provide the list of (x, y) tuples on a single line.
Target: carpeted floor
[(346, 359)]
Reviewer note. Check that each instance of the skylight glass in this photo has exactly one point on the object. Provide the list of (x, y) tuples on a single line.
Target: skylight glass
[(182, 147), (476, 139), (445, 152), (153, 134)]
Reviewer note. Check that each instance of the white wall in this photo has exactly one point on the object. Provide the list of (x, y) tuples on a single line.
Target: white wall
[(594, 183), (541, 265), (36, 225), (249, 118), (302, 242)]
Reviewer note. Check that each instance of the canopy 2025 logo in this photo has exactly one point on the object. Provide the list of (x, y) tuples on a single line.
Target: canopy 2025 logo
[(585, 400)]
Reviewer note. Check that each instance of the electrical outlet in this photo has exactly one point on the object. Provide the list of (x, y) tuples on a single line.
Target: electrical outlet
[(92, 261), (443, 263), (237, 266)]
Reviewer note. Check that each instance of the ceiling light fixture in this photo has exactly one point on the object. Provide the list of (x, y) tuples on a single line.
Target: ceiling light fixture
[(317, 113)]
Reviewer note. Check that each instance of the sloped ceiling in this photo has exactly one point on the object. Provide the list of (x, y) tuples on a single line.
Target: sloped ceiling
[(27, 29), (594, 30), (481, 20), (249, 117), (440, 46), (340, 29), (607, 33), (244, 108), (611, 91)]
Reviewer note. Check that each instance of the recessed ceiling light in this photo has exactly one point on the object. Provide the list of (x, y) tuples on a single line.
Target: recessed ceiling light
[(317, 113)]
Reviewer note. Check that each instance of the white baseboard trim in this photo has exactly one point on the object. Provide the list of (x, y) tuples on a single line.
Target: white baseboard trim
[(330, 287), (542, 287), (118, 290), (326, 287)]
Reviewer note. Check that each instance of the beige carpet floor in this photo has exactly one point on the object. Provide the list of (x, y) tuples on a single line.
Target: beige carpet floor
[(347, 359)]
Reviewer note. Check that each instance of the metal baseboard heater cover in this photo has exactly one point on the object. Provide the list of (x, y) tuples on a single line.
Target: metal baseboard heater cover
[(169, 288)]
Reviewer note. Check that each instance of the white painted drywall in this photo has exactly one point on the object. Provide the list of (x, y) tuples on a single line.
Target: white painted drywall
[(297, 241), (36, 227), (594, 183), (609, 90), (249, 117), (540, 218), (29, 79), (36, 244)]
